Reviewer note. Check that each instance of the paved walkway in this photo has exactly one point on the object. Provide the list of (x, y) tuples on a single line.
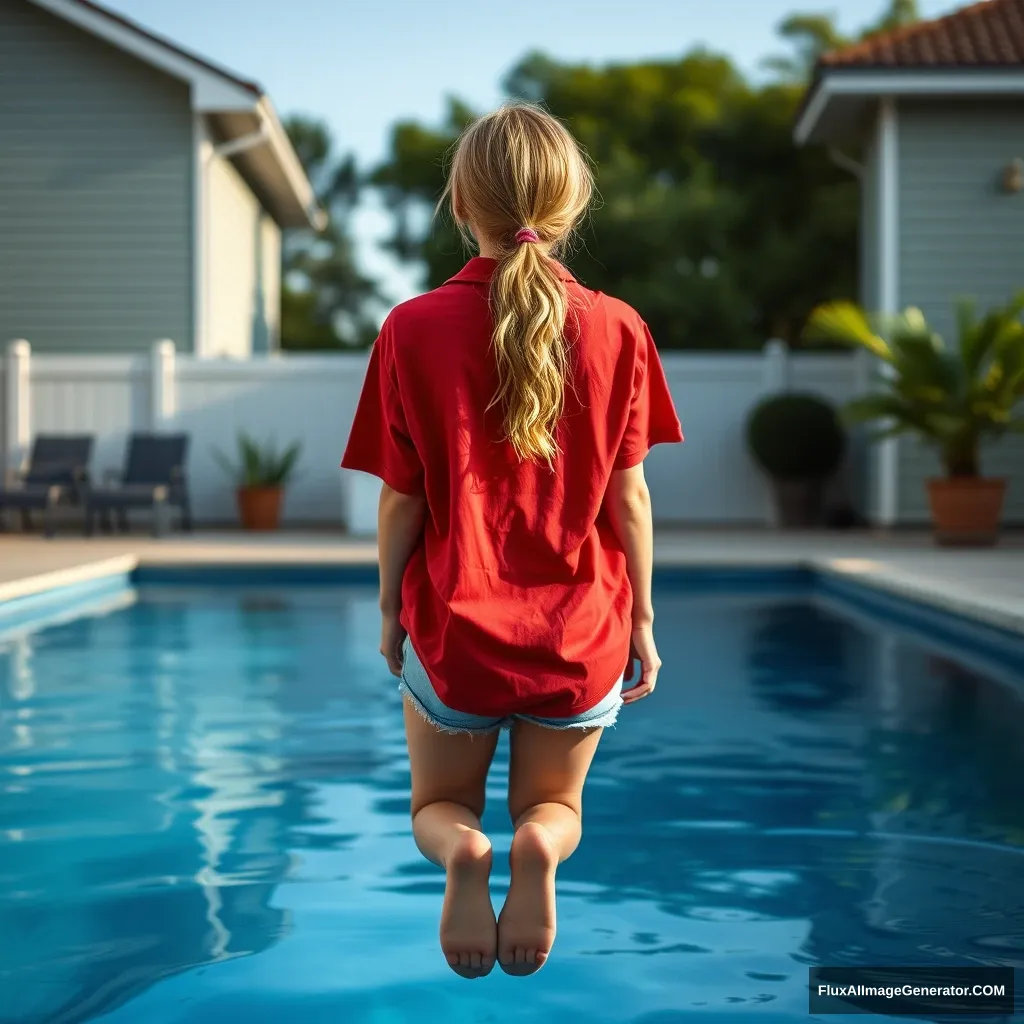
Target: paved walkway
[(984, 584)]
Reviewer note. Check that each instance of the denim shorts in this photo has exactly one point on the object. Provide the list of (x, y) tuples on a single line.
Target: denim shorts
[(417, 689)]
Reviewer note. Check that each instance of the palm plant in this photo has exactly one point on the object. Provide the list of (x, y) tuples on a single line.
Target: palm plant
[(952, 396), (260, 465)]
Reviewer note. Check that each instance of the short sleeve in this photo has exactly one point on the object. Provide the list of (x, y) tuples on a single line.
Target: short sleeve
[(379, 441), (652, 417)]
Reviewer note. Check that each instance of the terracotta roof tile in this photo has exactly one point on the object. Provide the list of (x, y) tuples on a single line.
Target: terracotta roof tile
[(986, 35)]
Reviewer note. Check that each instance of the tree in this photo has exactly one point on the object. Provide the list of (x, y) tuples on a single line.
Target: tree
[(410, 183), (711, 221), (326, 301), (812, 35), (899, 14)]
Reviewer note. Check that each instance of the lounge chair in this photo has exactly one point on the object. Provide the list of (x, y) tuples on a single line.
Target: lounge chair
[(153, 478), (57, 474)]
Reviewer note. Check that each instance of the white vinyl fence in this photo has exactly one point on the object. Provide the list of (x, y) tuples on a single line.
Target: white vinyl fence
[(311, 398)]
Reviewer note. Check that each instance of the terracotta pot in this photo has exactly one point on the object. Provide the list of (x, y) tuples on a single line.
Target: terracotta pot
[(259, 508), (798, 503), (966, 510)]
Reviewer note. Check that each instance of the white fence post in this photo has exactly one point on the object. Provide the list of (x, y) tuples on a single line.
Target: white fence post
[(18, 403), (163, 385), (776, 366)]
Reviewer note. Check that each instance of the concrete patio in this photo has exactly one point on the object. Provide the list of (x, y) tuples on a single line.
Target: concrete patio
[(987, 585)]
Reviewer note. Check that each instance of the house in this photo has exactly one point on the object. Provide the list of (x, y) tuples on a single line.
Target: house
[(933, 113), (143, 190)]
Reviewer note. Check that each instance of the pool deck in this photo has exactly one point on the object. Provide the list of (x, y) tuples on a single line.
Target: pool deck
[(986, 585)]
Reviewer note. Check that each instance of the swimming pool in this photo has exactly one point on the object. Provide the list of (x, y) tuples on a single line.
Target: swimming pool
[(204, 813)]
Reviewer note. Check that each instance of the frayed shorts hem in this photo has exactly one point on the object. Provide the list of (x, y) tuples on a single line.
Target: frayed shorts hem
[(429, 707)]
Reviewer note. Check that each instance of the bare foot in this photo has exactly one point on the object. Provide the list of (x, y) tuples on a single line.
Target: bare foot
[(526, 927), (468, 929)]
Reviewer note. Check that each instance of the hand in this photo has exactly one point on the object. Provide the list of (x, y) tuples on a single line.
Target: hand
[(392, 636), (642, 649)]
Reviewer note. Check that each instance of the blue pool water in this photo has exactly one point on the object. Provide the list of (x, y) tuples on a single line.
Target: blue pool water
[(203, 816)]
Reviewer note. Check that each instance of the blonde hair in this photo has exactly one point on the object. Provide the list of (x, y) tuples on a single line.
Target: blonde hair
[(517, 168)]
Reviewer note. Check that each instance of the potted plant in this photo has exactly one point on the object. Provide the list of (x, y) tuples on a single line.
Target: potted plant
[(952, 397), (260, 474), (798, 441)]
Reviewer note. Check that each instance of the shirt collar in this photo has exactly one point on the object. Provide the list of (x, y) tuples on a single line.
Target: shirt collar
[(481, 268)]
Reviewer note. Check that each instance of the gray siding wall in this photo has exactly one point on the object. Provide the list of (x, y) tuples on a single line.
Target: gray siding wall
[(960, 235), (95, 192)]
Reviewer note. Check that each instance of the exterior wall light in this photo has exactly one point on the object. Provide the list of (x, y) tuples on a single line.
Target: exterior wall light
[(1013, 176)]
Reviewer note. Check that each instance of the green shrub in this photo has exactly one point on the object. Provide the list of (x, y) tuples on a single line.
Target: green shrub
[(796, 437)]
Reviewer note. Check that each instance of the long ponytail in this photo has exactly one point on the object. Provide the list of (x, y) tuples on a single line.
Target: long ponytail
[(518, 169), (528, 303)]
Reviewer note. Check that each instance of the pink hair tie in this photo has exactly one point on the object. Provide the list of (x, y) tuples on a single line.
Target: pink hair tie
[(527, 235)]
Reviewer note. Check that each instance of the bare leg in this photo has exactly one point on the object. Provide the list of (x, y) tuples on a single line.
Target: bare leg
[(546, 776), (449, 775)]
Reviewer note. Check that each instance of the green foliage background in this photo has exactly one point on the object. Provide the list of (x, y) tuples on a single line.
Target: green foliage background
[(710, 221)]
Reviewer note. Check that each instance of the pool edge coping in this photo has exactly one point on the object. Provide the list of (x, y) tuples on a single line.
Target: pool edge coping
[(880, 577), (57, 579), (868, 572)]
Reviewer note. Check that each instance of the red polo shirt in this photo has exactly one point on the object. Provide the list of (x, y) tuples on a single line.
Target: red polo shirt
[(517, 598)]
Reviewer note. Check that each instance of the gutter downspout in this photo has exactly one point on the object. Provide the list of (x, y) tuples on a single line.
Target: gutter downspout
[(225, 150), (888, 286)]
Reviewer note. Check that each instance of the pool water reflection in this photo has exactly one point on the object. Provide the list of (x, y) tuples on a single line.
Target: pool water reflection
[(203, 818)]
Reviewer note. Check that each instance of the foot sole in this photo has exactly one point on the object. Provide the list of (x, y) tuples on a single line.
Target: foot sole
[(527, 923), (468, 926)]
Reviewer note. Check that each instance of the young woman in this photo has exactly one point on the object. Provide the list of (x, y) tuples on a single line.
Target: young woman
[(508, 413)]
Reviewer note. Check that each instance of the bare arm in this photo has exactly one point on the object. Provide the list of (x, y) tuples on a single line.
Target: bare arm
[(400, 519), (628, 503)]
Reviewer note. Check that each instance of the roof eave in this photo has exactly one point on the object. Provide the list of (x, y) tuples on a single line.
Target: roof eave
[(291, 200), (258, 147), (306, 211), (212, 87), (832, 85)]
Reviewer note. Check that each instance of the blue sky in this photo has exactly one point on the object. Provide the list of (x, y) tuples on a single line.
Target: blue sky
[(362, 64)]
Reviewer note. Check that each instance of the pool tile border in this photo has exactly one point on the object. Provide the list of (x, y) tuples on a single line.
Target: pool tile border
[(41, 606), (859, 573), (877, 576)]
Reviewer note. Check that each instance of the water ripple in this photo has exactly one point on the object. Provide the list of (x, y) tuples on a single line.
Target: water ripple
[(204, 817)]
